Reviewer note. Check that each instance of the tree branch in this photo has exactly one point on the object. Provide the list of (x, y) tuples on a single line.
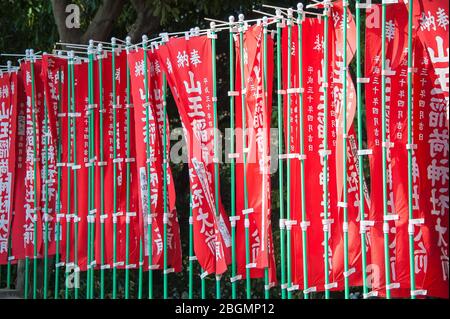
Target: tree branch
[(101, 26), (145, 23), (65, 34)]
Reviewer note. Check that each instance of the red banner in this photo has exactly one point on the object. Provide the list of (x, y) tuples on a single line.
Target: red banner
[(430, 171), (17, 229), (257, 169), (432, 19), (430, 176), (27, 214), (313, 99), (396, 28), (8, 133), (53, 71), (156, 179), (187, 63)]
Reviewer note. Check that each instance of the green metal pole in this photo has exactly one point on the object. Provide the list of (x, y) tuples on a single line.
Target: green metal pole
[(75, 168), (244, 146), (233, 163), (166, 167), (27, 258), (127, 229), (325, 147), (384, 152), (35, 168), (344, 150), (359, 107), (91, 52), (410, 151), (265, 72), (8, 267), (203, 284), (280, 24), (58, 192), (213, 36), (288, 164), (115, 106), (191, 250), (102, 173), (304, 224), (69, 169), (46, 214), (149, 156)]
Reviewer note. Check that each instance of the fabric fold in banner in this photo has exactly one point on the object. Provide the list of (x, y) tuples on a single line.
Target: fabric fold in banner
[(187, 64), (8, 157), (156, 179), (258, 110)]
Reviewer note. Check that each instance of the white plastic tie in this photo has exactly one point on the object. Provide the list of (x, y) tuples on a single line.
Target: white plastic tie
[(203, 275), (247, 223), (310, 290), (192, 258), (169, 271), (293, 288), (290, 223), (365, 152), (349, 272), (324, 153), (235, 278), (304, 225), (342, 204), (370, 294), (233, 93), (250, 266), (394, 285), (282, 223), (390, 217), (331, 285), (103, 267), (131, 266), (420, 292), (363, 80), (247, 211), (411, 146)]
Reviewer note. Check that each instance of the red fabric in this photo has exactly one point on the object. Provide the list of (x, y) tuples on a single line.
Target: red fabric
[(25, 206), (396, 20), (432, 21), (156, 122), (8, 133), (187, 64), (51, 67), (257, 109), (430, 191)]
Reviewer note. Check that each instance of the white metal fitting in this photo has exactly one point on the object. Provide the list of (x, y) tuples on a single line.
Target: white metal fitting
[(231, 19), (241, 17), (128, 41), (113, 41), (290, 13), (300, 7), (212, 26), (264, 19), (144, 38), (278, 14)]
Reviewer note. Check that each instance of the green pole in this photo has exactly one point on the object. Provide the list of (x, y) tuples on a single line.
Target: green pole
[(384, 152), (326, 221), (90, 257), (213, 36), (359, 107), (58, 192), (27, 258), (35, 168), (115, 162), (69, 169), (203, 285), (191, 250), (266, 269), (233, 164), (344, 150), (304, 223), (127, 229), (8, 267), (75, 168), (166, 167), (244, 146), (288, 164), (280, 25), (101, 164), (149, 157), (410, 151), (46, 214)]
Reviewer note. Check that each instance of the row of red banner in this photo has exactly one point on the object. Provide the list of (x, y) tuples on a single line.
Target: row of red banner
[(45, 136)]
